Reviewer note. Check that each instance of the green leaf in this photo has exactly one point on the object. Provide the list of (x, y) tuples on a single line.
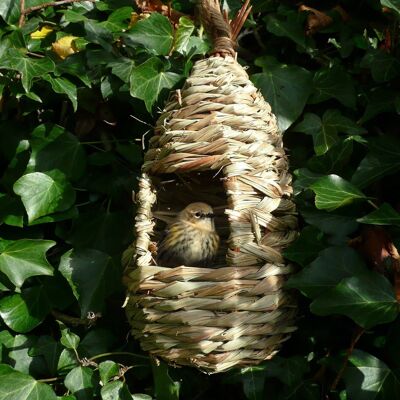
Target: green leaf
[(10, 11), (332, 192), (379, 100), (306, 247), (24, 258), (384, 66), (324, 135), (11, 210), (64, 86), (165, 387), (15, 385), (80, 381), (393, 4), (91, 275), (44, 193), (285, 88), (384, 215), (334, 160), (367, 298), (115, 390), (122, 68), (68, 338), (154, 33), (291, 27), (23, 312), (149, 79), (332, 265), (333, 82), (332, 223), (108, 369), (97, 33), (368, 378), (53, 147), (382, 159), (183, 34), (29, 68)]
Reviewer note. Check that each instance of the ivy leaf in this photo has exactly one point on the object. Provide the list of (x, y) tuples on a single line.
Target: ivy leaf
[(154, 33), (91, 275), (334, 160), (292, 26), (53, 147), (368, 378), (80, 381), (332, 265), (29, 68), (384, 215), (16, 385), (122, 68), (165, 387), (379, 100), (44, 193), (285, 88), (384, 66), (306, 247), (333, 82), (68, 338), (108, 369), (10, 11), (182, 35), (23, 312), (149, 79), (24, 258), (115, 390), (332, 192), (392, 4), (382, 159), (367, 298), (64, 86)]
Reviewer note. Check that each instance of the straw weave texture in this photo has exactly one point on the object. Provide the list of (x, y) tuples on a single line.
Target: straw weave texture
[(233, 313)]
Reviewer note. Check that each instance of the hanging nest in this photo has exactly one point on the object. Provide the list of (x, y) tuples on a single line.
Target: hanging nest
[(218, 142)]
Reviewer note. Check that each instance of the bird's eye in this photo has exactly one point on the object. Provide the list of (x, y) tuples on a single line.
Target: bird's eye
[(197, 214)]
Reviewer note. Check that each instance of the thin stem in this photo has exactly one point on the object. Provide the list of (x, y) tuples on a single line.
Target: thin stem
[(22, 16), (52, 4), (50, 379), (373, 204), (118, 353), (350, 350)]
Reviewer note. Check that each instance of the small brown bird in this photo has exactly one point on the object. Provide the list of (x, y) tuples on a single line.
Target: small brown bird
[(191, 240)]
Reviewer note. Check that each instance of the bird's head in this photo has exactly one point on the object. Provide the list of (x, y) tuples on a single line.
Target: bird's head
[(199, 214)]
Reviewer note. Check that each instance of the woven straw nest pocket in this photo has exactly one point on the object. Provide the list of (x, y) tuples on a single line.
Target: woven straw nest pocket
[(218, 142)]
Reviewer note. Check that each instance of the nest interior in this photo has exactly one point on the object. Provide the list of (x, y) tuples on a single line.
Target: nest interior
[(217, 142)]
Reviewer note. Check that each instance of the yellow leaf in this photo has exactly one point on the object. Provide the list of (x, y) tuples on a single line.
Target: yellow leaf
[(65, 46), (42, 32)]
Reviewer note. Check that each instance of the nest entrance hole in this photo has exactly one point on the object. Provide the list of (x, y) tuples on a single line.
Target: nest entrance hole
[(176, 191)]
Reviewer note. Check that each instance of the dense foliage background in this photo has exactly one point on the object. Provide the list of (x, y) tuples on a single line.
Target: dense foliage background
[(81, 84)]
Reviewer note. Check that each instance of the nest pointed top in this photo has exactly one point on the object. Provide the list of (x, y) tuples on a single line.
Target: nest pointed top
[(222, 32)]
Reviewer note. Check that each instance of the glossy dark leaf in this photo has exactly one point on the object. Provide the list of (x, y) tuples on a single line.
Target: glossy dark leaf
[(366, 298), (149, 79), (368, 378), (24, 258), (16, 385), (80, 381), (384, 215), (44, 193), (91, 275), (332, 192), (332, 265), (23, 312), (306, 247), (285, 87), (154, 33), (53, 147)]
